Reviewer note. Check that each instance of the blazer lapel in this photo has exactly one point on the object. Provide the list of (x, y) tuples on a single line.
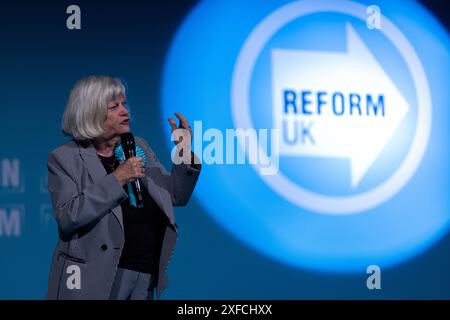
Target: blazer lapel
[(151, 175), (153, 190), (96, 172)]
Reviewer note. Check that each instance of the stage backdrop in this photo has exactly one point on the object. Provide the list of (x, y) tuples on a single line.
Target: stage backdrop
[(322, 125)]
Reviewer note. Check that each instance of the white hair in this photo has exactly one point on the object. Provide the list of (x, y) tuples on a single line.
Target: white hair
[(87, 106)]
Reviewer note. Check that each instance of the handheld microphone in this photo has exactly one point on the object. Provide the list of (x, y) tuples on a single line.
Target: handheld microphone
[(129, 150)]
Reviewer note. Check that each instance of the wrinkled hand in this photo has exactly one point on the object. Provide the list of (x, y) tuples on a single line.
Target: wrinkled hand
[(130, 170), (184, 124)]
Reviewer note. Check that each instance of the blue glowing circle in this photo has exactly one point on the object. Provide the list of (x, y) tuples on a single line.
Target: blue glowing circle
[(198, 79)]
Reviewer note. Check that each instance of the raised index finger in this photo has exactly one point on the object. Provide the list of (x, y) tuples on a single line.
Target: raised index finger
[(182, 119)]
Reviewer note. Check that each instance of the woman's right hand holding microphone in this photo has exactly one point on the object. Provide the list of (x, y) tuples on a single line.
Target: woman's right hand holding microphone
[(130, 170)]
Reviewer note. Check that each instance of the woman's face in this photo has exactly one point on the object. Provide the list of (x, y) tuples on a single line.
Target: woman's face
[(117, 119)]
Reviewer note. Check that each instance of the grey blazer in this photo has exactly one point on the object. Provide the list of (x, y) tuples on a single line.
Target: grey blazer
[(86, 203)]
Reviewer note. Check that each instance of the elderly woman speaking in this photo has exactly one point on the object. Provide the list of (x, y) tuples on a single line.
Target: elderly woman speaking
[(109, 247)]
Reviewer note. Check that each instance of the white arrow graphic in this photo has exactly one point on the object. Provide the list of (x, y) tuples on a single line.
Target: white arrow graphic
[(346, 106)]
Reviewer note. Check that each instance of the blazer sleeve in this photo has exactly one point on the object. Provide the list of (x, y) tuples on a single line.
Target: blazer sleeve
[(180, 182), (75, 206)]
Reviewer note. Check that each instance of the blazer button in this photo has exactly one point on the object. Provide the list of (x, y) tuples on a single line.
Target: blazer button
[(104, 247)]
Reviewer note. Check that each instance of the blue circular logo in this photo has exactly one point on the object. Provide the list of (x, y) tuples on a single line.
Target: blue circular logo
[(322, 126)]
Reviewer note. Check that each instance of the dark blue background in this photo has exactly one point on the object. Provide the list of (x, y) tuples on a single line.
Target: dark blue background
[(41, 60)]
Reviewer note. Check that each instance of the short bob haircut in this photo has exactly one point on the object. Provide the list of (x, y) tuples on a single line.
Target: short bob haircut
[(87, 106)]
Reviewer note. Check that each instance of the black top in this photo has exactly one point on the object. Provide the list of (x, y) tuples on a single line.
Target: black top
[(144, 229)]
